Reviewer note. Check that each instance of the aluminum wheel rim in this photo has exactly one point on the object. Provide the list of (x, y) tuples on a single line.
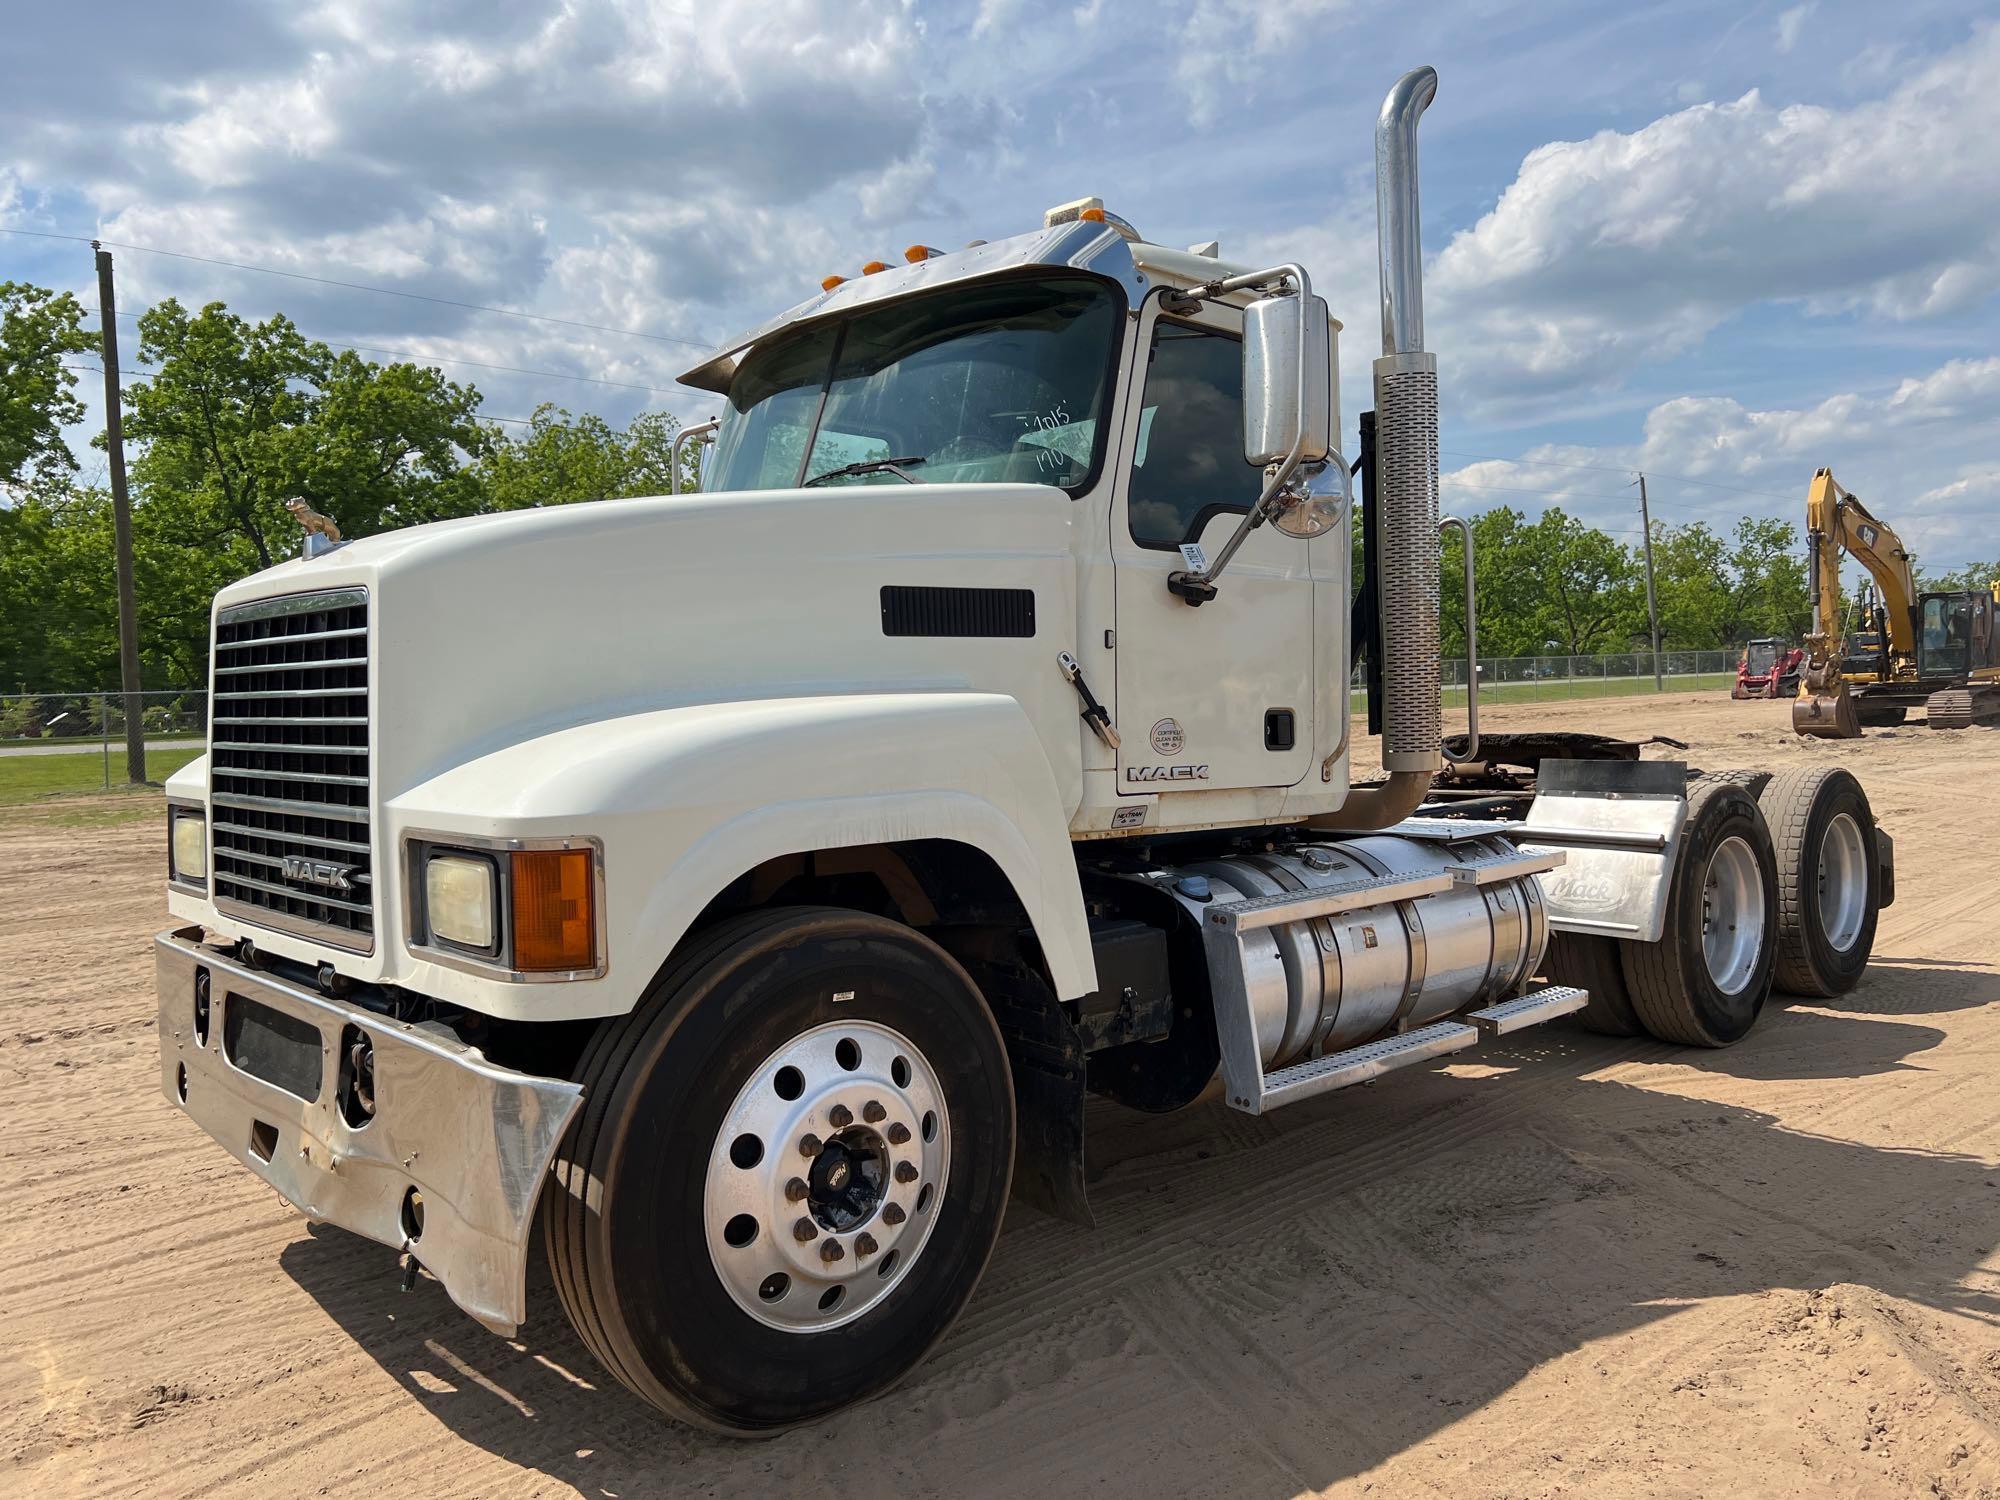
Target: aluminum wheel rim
[(1732, 915), (825, 1215), (1843, 882)]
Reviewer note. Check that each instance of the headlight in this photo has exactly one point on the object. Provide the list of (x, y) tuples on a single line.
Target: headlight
[(188, 857), (461, 902), (526, 909)]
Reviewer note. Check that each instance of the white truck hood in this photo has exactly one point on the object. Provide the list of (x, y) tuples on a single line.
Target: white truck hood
[(489, 630)]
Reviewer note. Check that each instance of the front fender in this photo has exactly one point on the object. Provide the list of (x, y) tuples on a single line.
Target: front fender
[(687, 799)]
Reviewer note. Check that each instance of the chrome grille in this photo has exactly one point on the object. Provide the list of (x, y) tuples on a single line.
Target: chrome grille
[(288, 766)]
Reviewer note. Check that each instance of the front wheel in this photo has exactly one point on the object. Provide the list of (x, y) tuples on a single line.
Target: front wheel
[(789, 1171)]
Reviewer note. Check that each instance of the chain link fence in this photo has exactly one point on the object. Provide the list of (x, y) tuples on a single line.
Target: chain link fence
[(1534, 679), (47, 723), (1548, 679), (76, 724)]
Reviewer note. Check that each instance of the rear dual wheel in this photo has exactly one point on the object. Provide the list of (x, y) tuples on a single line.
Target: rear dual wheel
[(789, 1170), (1705, 982), (1829, 879)]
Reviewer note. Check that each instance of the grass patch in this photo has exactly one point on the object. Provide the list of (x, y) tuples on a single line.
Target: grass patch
[(26, 779)]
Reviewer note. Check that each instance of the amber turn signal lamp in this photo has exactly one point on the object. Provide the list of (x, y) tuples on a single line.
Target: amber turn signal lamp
[(873, 266), (918, 253), (830, 282), (555, 916)]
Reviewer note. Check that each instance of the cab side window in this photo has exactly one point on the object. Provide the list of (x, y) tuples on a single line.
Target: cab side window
[(1189, 464)]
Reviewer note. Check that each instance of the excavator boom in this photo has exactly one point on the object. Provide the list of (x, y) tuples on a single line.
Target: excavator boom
[(1836, 522)]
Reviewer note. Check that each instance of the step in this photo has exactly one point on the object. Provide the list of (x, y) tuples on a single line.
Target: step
[(1453, 830), (1491, 869), (1338, 1070), (1324, 901), (1529, 1010)]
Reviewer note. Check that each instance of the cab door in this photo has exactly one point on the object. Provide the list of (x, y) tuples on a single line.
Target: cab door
[(1220, 695)]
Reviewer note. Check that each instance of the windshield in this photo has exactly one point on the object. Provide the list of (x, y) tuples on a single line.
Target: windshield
[(1947, 634), (1761, 656), (1000, 382)]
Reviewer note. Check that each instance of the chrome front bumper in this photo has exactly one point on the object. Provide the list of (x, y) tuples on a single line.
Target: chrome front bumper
[(474, 1140)]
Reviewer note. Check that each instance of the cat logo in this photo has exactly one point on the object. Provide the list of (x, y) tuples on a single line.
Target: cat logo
[(1166, 773)]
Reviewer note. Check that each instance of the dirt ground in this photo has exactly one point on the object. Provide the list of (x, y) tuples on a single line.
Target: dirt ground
[(1569, 1265)]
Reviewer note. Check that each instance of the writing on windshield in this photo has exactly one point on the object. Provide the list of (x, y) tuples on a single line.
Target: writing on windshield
[(998, 382)]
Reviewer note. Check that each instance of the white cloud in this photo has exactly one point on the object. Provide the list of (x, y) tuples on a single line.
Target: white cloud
[(1790, 24), (1612, 252), (1919, 452), (1228, 42)]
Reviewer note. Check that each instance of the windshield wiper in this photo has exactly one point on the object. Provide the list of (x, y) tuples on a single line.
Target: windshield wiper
[(869, 466)]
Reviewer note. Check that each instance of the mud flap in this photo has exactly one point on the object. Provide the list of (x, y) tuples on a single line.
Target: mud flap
[(1047, 1059), (1620, 823)]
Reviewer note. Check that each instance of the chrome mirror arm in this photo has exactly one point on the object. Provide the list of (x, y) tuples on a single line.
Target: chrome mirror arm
[(1197, 586), (700, 432)]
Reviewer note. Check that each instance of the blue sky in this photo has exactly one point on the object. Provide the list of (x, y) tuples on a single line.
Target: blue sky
[(1721, 242)]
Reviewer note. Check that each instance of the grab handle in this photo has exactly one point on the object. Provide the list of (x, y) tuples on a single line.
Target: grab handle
[(1471, 752)]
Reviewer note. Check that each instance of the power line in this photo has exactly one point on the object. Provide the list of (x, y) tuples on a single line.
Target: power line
[(446, 359), (1513, 489), (356, 286), (1551, 463)]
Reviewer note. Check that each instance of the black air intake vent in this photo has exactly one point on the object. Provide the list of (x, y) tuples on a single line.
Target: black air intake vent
[(913, 610)]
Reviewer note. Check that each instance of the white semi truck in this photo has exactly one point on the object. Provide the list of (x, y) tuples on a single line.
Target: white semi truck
[(745, 887)]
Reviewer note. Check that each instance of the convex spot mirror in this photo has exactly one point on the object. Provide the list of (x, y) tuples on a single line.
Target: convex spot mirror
[(1277, 352)]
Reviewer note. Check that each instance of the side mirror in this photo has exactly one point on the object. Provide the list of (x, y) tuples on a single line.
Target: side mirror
[(1281, 361)]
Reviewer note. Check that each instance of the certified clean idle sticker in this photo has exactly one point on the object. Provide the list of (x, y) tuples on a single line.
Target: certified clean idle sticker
[(1167, 737)]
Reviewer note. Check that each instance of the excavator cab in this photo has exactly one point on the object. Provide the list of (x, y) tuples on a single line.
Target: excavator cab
[(1955, 634)]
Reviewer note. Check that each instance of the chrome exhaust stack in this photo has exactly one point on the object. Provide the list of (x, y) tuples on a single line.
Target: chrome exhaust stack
[(1406, 479)]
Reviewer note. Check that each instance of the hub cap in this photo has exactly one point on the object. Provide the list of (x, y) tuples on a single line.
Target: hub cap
[(1843, 882), (826, 1176), (1732, 915)]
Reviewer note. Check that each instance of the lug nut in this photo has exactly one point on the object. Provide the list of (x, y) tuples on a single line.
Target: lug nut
[(831, 1251), (873, 1112), (795, 1190), (805, 1230), (809, 1145), (864, 1244), (840, 1117), (906, 1171), (892, 1213), (898, 1133)]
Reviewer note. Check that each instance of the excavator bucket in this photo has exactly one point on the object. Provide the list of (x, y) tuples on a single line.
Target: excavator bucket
[(1827, 716)]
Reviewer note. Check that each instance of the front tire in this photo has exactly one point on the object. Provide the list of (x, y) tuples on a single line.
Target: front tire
[(789, 1171)]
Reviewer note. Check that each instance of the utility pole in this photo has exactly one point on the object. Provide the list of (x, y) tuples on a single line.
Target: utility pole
[(121, 516), (1652, 609)]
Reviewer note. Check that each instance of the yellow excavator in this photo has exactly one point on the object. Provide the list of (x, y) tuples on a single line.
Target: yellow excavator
[(1938, 649)]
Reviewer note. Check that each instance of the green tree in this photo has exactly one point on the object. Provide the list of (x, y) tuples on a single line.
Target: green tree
[(562, 459), (1591, 593), (239, 417), (58, 603), (1972, 576), (1692, 586), (38, 329)]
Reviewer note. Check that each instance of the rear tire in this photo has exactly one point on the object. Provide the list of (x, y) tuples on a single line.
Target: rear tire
[(700, 1109), (1592, 963), (1705, 981), (1828, 879)]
